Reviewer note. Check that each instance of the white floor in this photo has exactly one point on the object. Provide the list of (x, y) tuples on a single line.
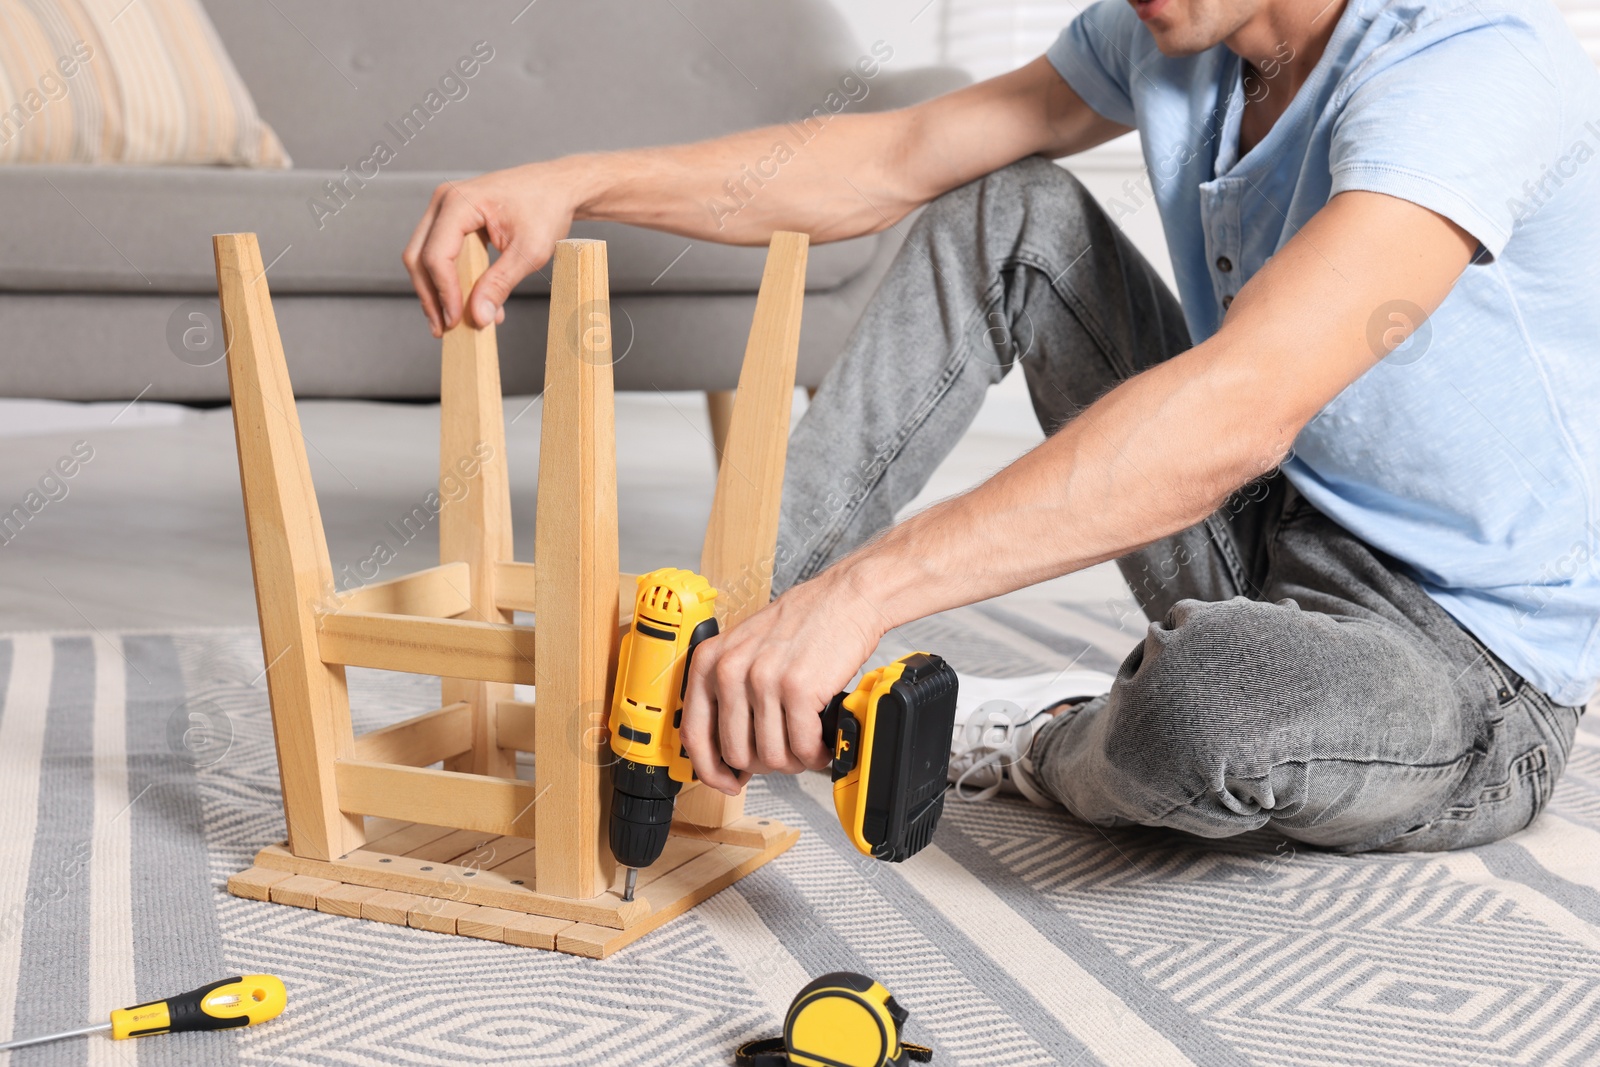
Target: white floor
[(148, 533)]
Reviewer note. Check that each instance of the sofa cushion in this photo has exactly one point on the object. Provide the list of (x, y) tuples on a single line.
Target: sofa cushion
[(149, 83), (127, 229)]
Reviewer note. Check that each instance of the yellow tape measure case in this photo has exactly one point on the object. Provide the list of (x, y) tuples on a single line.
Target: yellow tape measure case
[(839, 1020)]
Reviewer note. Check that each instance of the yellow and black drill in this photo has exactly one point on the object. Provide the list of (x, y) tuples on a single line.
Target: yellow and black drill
[(672, 614), (890, 737)]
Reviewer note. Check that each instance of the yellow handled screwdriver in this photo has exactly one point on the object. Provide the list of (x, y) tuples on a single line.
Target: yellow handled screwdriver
[(232, 1002)]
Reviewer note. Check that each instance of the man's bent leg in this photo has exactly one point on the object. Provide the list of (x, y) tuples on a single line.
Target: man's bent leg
[(1348, 711), (1236, 713), (1021, 266)]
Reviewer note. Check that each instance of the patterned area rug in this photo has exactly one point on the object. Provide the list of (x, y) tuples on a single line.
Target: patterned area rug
[(136, 774)]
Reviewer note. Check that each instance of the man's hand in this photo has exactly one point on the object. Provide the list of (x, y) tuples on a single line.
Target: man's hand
[(755, 693), (523, 211)]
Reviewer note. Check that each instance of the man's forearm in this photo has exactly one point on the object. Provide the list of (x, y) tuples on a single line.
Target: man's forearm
[(854, 175), (740, 188)]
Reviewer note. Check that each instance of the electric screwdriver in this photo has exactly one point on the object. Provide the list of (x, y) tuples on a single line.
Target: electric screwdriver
[(672, 614)]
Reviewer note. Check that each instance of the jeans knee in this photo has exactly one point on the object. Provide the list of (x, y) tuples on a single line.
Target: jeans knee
[(1198, 696)]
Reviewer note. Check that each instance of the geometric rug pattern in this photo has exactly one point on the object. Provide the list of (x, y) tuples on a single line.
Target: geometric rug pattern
[(137, 774)]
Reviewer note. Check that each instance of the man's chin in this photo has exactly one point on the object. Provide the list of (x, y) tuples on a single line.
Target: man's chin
[(1175, 46), (1171, 27)]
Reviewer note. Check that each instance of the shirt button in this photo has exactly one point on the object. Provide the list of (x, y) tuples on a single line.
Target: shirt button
[(1224, 264), (1227, 302)]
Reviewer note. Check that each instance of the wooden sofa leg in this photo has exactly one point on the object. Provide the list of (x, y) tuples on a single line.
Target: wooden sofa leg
[(719, 408)]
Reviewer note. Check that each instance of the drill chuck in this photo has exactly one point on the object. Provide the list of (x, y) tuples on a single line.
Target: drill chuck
[(641, 812)]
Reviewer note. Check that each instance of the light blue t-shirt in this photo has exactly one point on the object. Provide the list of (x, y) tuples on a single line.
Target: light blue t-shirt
[(1472, 453)]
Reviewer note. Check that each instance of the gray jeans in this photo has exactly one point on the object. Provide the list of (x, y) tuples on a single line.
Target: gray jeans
[(1292, 676)]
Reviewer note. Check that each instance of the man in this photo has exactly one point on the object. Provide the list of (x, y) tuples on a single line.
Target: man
[(1372, 581)]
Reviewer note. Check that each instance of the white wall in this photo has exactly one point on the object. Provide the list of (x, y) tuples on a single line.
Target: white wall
[(988, 37), (911, 27)]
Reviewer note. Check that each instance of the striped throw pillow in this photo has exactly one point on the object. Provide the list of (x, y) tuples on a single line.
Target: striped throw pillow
[(124, 81)]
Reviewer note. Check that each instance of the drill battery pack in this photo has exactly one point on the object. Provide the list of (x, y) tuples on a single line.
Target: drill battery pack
[(891, 754)]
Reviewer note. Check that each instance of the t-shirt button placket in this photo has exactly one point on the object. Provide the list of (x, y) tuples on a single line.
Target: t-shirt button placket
[(1224, 265)]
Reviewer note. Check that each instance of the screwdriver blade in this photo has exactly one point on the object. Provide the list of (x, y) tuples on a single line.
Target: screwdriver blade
[(24, 1042)]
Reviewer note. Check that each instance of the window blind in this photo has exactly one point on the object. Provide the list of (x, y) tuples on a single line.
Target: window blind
[(1584, 17), (989, 37)]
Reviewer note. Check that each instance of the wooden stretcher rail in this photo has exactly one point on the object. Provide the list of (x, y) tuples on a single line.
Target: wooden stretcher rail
[(441, 798), (417, 742), (441, 592), (450, 648), (515, 723)]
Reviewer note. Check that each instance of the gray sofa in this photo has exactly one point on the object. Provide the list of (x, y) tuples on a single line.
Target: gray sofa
[(106, 283)]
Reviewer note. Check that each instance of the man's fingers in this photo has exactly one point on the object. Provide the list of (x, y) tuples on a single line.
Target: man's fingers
[(771, 735), (456, 218), (734, 733), (803, 715), (439, 264), (698, 732), (494, 287), (412, 258)]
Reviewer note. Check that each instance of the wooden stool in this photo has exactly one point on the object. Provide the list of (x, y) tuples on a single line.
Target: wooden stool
[(374, 829)]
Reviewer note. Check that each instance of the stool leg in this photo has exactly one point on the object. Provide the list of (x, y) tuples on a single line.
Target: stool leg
[(743, 532), (475, 502), (289, 556), (576, 579)]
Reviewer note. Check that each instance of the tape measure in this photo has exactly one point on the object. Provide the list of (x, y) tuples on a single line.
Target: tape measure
[(838, 1020)]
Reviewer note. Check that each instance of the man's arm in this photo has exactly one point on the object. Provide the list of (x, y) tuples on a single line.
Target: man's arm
[(859, 175), (1154, 456)]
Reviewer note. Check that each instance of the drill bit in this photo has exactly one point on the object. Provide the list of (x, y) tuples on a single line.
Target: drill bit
[(633, 880)]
